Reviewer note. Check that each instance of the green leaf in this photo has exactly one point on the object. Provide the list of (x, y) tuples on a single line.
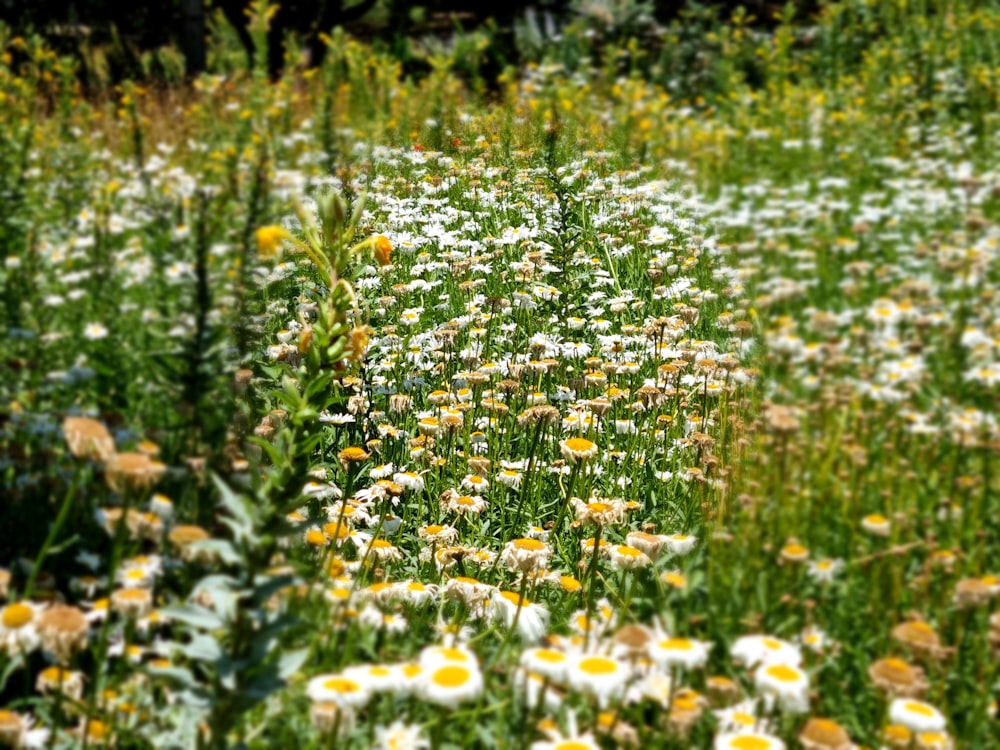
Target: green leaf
[(202, 648), (241, 520), (220, 547), (179, 674), (194, 615), (291, 662)]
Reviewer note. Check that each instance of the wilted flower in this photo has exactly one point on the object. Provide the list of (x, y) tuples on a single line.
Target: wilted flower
[(88, 438), (824, 734)]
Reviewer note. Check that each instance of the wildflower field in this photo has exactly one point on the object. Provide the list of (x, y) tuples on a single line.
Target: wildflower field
[(598, 405)]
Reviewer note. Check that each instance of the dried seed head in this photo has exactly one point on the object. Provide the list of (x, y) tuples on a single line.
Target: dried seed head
[(88, 438)]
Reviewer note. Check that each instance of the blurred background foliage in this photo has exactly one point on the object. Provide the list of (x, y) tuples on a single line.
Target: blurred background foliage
[(175, 38), (704, 55)]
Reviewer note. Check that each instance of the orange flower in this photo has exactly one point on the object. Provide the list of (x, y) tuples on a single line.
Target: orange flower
[(383, 249)]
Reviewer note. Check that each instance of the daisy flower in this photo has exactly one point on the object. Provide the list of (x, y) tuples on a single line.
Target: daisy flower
[(824, 734), (455, 503), (16, 731), (375, 678), (787, 684), (625, 557), (748, 741), (526, 555), (547, 662), (823, 571), (685, 653), (876, 524), (474, 483), (740, 718), (450, 684), (602, 512), (751, 650), (651, 544), (345, 691), (509, 607), (19, 627), (53, 679), (681, 544), (415, 592), (600, 676), (567, 742), (917, 716), (381, 551), (577, 449), (95, 332), (400, 736)]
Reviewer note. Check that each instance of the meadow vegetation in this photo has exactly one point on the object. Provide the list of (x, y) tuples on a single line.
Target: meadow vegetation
[(626, 400)]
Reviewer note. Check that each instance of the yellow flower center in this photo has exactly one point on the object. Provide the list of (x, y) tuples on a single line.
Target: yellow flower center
[(451, 676), (411, 670), (747, 720), (315, 537), (53, 675), (529, 545), (783, 673), (341, 685), (380, 671), (598, 665), (551, 656), (580, 445), (685, 703), (750, 742), (919, 708), (17, 616), (570, 583), (133, 594), (96, 730), (453, 654), (898, 733), (340, 593), (675, 579), (932, 739), (676, 644), (571, 745), (433, 529), (514, 598), (627, 551)]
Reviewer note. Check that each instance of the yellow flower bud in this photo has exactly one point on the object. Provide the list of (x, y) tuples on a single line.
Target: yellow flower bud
[(269, 240)]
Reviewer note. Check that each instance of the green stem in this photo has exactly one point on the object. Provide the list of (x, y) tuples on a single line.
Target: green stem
[(29, 587)]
